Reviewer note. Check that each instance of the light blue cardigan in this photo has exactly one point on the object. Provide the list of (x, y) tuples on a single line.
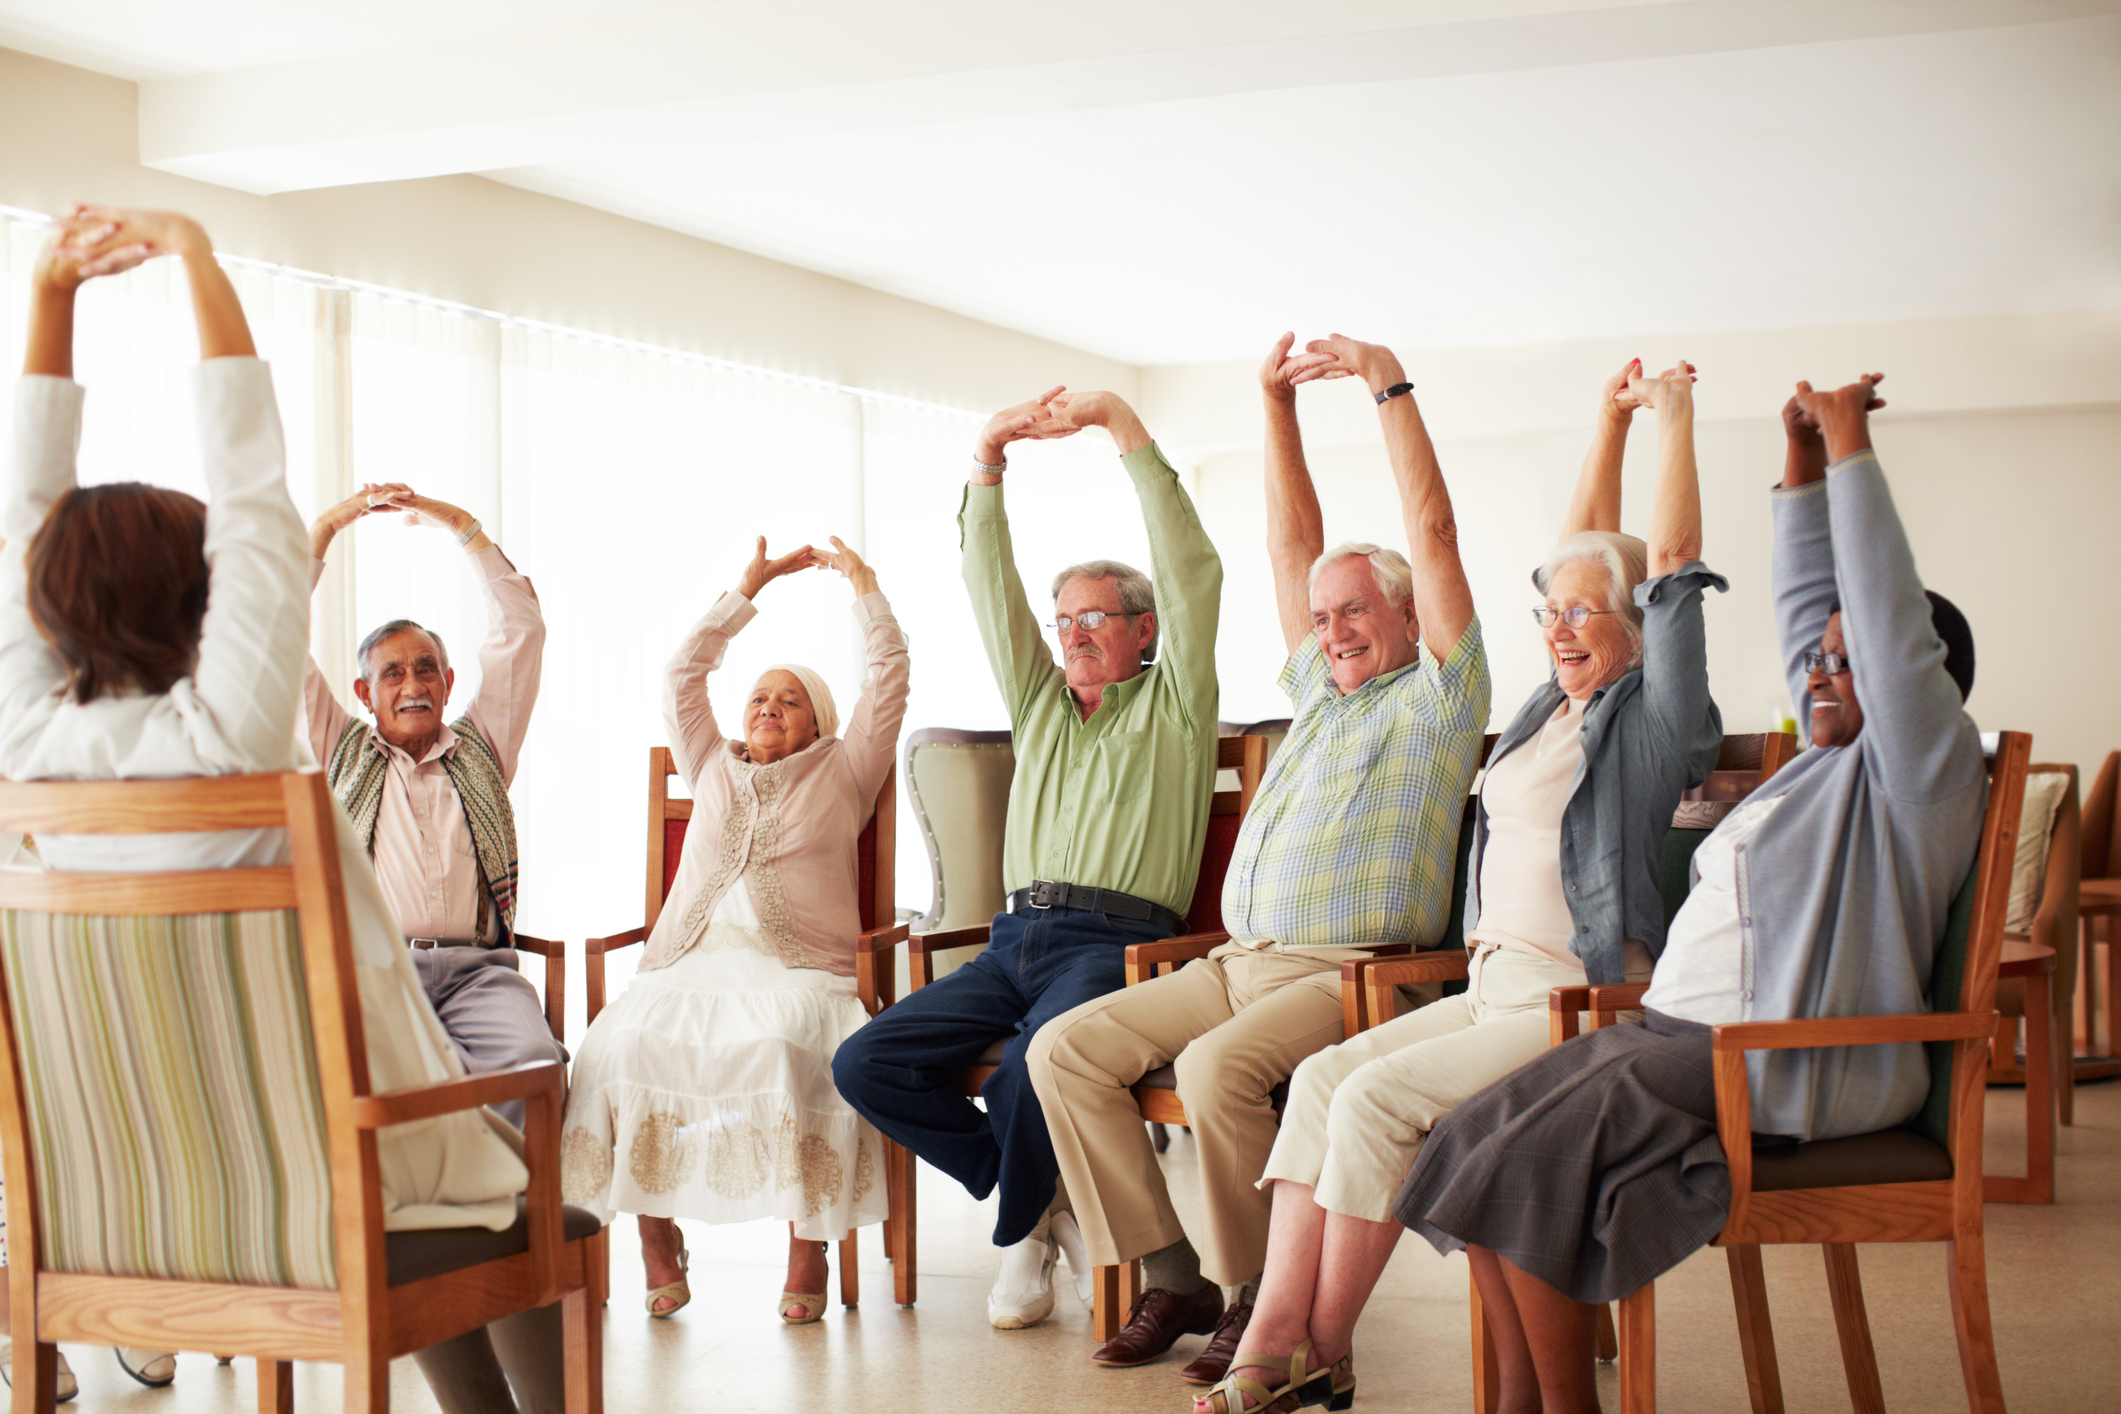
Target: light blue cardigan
[(1848, 884)]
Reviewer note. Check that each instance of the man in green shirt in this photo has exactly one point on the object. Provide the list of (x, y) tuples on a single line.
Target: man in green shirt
[(1115, 768)]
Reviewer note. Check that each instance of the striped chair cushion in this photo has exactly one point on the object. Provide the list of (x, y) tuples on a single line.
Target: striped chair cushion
[(175, 1118)]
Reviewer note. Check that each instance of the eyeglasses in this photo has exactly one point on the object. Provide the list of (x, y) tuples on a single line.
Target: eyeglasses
[(1575, 617), (1832, 664), (1089, 622)]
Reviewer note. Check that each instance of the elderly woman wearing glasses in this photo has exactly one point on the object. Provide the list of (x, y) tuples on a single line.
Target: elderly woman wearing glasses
[(1578, 795)]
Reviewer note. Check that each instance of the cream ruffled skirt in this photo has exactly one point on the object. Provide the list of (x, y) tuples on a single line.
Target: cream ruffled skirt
[(705, 1092)]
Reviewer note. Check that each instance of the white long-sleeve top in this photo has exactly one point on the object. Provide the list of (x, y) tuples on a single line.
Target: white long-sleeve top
[(234, 714)]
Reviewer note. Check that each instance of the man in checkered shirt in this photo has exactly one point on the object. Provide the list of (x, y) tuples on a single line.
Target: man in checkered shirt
[(1349, 845)]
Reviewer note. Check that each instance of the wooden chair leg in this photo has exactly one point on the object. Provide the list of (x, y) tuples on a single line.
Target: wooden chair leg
[(1608, 1341), (2040, 1077), (1160, 1138), (1638, 1350), (1756, 1333), (368, 1384), (33, 1373), (1967, 1272), (1487, 1371), (276, 1386), (851, 1269), (1859, 1361), (901, 1168), (582, 1354)]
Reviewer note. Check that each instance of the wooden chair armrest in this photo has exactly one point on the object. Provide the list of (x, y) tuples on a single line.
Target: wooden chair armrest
[(1143, 959), (1367, 983), (1808, 1033), (1609, 999), (921, 949), (1565, 1007), (555, 955), (877, 986), (518, 1082), (593, 950)]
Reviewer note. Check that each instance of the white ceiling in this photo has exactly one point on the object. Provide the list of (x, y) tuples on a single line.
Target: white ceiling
[(1177, 182)]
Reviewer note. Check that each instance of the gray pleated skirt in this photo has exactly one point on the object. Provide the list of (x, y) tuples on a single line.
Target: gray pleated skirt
[(1595, 1168)]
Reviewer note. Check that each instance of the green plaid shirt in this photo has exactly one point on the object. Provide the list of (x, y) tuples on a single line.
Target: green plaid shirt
[(1354, 833)]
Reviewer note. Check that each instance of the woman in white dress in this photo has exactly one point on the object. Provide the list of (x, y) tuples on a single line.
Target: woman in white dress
[(705, 1091), (143, 634)]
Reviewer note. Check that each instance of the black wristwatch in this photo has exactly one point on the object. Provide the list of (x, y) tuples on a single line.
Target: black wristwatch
[(1394, 391)]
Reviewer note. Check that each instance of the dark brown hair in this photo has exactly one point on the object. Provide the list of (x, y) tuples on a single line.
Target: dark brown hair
[(117, 585)]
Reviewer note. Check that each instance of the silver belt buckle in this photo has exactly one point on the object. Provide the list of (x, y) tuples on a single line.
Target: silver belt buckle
[(1041, 888), (424, 942)]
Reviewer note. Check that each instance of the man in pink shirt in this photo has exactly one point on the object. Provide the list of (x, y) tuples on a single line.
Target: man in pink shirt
[(431, 796)]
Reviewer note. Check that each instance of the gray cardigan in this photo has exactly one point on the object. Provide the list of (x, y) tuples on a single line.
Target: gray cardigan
[(1647, 736), (1848, 884)]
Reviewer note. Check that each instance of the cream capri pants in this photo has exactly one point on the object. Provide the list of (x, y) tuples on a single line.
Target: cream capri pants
[(1236, 1023), (1357, 1113)]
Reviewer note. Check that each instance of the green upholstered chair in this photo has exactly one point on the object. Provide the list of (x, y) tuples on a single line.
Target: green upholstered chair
[(189, 1132)]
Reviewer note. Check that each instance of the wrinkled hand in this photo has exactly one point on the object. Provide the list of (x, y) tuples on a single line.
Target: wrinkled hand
[(1670, 390), (762, 571), (1015, 425), (374, 498), (1280, 374), (1071, 412), (850, 564), (1375, 364), (1851, 400), (1617, 398), (1799, 425)]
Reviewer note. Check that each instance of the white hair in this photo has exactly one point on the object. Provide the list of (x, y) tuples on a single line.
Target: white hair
[(1626, 562), (1136, 594), (1395, 577)]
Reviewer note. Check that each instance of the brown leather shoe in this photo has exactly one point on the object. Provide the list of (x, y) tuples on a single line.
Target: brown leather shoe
[(1158, 1318), (1214, 1362)]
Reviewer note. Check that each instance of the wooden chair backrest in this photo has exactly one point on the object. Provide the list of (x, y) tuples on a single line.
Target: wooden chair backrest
[(2055, 916), (311, 887), (958, 782), (876, 852), (2101, 842), (1247, 755)]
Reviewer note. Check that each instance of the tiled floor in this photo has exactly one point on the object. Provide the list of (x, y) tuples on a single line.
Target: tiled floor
[(2055, 1278)]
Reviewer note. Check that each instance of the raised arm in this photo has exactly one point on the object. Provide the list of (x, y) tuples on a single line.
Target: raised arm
[(1182, 561), (871, 732), (1443, 600), (1675, 514), (688, 717), (1016, 649), (1296, 528), (1596, 502)]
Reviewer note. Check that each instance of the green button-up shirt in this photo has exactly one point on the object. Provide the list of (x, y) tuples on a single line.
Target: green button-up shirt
[(1119, 801)]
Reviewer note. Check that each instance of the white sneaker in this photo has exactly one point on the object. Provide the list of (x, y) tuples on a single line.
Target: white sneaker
[(1069, 1238), (1023, 1289), (64, 1387)]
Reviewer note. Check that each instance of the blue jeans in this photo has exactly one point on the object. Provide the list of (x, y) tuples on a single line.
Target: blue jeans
[(901, 1069)]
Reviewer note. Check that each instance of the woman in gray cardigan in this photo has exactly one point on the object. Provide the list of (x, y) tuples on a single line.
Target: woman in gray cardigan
[(1596, 1168)]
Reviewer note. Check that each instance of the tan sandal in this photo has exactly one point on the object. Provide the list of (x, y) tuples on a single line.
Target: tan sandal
[(1229, 1396), (679, 1291), (813, 1302)]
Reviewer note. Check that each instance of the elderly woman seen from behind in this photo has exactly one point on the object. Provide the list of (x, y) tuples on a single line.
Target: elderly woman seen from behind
[(145, 635), (1578, 795), (706, 1091), (1596, 1168)]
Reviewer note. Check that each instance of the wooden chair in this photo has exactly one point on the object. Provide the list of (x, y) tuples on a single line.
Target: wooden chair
[(2035, 984), (958, 782), (2099, 904), (875, 981), (1368, 987), (555, 955), (200, 1171), (1918, 1183), (1247, 755)]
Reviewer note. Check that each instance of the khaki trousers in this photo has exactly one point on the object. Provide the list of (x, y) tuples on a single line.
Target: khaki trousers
[(1357, 1114), (1236, 1023)]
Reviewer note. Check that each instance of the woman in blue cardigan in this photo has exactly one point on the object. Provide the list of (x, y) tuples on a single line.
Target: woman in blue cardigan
[(1596, 1168)]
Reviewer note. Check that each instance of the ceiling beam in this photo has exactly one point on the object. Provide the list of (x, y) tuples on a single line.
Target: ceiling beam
[(742, 71)]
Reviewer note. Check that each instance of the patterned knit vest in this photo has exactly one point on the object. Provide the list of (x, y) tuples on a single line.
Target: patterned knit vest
[(359, 764)]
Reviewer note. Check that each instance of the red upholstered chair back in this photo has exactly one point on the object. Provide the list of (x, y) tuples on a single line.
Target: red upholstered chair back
[(669, 816), (1247, 755)]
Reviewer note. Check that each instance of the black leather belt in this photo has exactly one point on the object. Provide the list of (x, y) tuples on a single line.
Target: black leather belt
[(1044, 893), (425, 943)]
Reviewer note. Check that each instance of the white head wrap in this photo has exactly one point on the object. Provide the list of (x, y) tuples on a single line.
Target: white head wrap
[(821, 703)]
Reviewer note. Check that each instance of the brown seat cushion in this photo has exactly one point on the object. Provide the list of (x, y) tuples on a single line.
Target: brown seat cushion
[(1164, 1077), (993, 1054), (1889, 1156), (416, 1256)]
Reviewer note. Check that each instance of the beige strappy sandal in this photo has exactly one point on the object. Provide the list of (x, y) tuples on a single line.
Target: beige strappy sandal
[(813, 1302), (679, 1291), (1231, 1395)]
